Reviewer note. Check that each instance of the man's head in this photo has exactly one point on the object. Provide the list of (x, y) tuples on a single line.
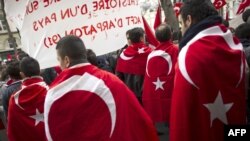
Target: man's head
[(71, 51), (29, 67), (136, 35), (246, 16), (13, 70), (163, 33), (194, 11), (128, 39), (243, 31)]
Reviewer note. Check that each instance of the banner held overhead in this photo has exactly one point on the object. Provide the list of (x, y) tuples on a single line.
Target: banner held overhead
[(101, 24)]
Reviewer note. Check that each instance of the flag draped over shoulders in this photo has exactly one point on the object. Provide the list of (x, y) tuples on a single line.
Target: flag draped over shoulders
[(86, 103), (209, 89), (159, 80), (25, 115), (133, 59)]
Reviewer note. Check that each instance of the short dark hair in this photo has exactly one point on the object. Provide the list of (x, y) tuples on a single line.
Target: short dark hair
[(30, 67), (135, 34), (198, 10), (91, 57), (246, 15), (73, 47), (163, 32), (243, 31), (13, 70)]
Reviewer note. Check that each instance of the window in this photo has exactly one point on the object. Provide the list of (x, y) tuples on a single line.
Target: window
[(3, 28)]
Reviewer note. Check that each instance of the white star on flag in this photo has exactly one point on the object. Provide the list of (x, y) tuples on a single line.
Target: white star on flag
[(141, 50), (218, 109), (38, 117), (159, 84)]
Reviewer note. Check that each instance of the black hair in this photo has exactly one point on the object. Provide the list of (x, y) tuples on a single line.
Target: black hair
[(243, 31), (91, 57), (163, 33), (22, 54), (198, 10), (13, 70), (30, 67), (136, 34), (246, 15), (73, 47)]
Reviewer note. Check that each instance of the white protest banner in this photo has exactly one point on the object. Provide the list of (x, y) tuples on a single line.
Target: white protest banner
[(101, 24)]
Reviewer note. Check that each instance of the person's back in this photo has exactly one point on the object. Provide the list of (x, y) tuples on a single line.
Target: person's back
[(131, 64), (159, 78), (101, 107), (25, 117), (209, 90)]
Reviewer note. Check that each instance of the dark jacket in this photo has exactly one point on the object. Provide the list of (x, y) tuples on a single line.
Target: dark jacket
[(134, 82), (246, 47), (6, 93)]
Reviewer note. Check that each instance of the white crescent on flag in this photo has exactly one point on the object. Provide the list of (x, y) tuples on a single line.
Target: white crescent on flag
[(219, 3), (162, 54), (212, 31), (124, 57), (86, 82), (177, 9), (16, 95)]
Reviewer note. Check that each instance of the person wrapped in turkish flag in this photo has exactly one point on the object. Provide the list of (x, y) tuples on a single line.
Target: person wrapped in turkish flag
[(90, 104), (209, 88), (25, 114), (159, 77)]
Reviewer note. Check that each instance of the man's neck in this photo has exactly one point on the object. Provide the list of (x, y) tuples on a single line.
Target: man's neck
[(76, 62)]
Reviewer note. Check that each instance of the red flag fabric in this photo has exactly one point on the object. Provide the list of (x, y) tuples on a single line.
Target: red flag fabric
[(58, 69), (157, 17), (150, 37), (86, 103), (227, 16), (133, 59), (9, 57), (158, 83), (209, 89), (177, 7), (219, 3), (25, 114), (243, 5)]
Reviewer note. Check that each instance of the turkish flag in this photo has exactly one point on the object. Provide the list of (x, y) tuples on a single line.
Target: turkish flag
[(86, 103), (209, 88), (9, 57), (158, 83), (133, 59), (227, 16), (25, 115), (177, 7), (243, 5), (219, 3), (157, 17), (150, 36)]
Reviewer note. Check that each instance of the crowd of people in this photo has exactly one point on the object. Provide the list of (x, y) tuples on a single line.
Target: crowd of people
[(196, 87)]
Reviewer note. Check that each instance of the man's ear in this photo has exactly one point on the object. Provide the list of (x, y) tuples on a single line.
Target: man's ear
[(67, 61), (143, 39), (189, 21), (22, 75)]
